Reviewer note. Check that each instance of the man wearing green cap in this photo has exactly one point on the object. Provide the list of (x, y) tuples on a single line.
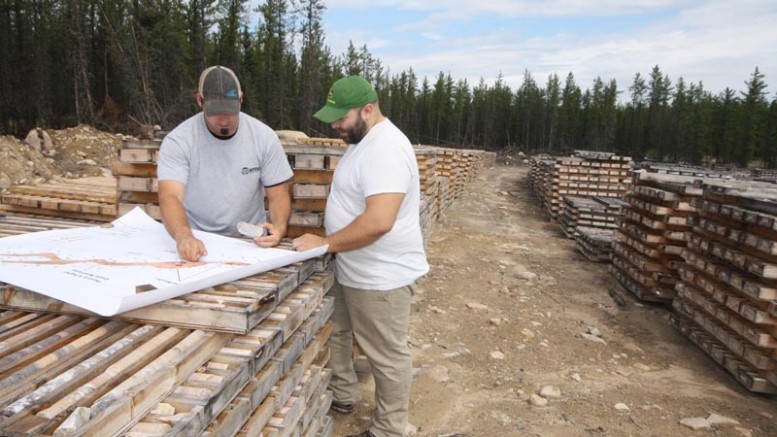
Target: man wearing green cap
[(372, 223)]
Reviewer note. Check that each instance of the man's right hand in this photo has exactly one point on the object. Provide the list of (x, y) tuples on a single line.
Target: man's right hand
[(190, 248)]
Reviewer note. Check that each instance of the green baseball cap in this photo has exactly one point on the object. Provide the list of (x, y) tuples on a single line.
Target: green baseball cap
[(346, 93)]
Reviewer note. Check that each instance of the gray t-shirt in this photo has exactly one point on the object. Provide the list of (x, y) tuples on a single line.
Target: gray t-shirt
[(224, 179)]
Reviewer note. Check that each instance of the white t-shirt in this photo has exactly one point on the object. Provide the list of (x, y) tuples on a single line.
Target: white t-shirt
[(383, 162), (224, 179)]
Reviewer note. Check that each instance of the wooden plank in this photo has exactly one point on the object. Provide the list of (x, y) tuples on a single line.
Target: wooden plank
[(129, 183), (682, 320), (334, 148), (11, 341), (310, 191), (233, 307), (30, 365), (141, 197), (140, 156), (126, 404), (313, 205), (308, 161), (296, 231), (311, 176), (332, 161), (151, 209), (14, 361), (83, 192), (232, 386), (12, 322), (148, 343), (720, 315), (70, 383), (135, 143), (305, 218), (61, 208), (146, 170)]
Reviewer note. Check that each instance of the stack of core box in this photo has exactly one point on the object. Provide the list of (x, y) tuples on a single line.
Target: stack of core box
[(448, 175), (594, 212), (443, 175), (135, 173), (585, 175), (726, 296), (314, 161), (594, 243), (243, 358), (427, 170), (471, 163), (651, 235), (583, 192), (94, 200)]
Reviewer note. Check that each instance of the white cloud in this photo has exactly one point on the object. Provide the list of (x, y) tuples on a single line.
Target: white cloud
[(716, 42), (516, 8)]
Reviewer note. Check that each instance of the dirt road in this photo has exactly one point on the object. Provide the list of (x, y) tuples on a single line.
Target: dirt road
[(514, 334)]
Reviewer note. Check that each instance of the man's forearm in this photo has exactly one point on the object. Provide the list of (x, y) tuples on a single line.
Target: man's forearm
[(175, 220), (356, 235), (279, 206), (280, 211)]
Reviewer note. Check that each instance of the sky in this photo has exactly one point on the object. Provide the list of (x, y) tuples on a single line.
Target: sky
[(716, 42)]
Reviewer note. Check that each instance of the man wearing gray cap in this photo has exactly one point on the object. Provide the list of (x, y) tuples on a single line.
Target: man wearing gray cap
[(215, 168)]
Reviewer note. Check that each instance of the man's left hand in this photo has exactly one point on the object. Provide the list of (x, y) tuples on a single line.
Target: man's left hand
[(307, 241)]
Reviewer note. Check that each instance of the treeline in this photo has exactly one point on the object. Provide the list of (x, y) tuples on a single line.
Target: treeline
[(119, 64)]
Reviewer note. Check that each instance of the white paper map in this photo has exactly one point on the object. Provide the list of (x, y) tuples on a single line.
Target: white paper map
[(129, 263)]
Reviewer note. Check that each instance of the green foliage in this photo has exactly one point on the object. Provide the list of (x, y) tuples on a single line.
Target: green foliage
[(121, 63)]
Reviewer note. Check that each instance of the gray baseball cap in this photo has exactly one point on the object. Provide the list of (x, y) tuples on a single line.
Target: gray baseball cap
[(220, 91)]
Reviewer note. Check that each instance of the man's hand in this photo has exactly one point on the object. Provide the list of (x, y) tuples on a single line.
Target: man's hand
[(272, 237), (190, 248), (307, 242)]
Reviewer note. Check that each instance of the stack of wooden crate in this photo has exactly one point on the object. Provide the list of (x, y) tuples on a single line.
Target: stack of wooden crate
[(448, 169), (91, 200), (135, 172), (680, 169), (594, 243), (444, 174), (651, 234), (489, 158), (585, 175), (471, 163), (594, 212), (14, 223), (426, 157), (313, 161), (590, 221), (764, 174), (726, 297), (244, 358), (541, 183)]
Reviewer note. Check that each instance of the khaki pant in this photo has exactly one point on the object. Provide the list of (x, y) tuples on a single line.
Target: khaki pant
[(379, 320)]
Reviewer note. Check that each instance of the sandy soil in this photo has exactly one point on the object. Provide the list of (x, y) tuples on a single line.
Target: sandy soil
[(510, 310)]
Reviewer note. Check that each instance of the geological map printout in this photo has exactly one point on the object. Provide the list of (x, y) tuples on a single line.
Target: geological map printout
[(129, 263)]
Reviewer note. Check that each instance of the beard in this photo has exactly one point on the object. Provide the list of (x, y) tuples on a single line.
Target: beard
[(356, 133)]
